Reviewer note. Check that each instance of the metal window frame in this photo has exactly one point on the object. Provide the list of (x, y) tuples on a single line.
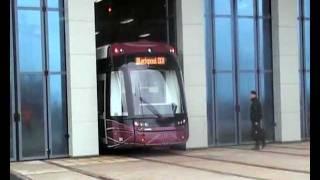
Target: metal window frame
[(305, 131), (61, 73), (210, 17), (19, 73), (45, 78), (12, 94)]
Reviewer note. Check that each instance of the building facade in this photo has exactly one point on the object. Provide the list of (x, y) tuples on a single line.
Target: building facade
[(226, 49)]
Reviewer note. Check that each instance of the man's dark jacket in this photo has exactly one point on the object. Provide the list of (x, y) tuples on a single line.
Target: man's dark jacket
[(255, 111)]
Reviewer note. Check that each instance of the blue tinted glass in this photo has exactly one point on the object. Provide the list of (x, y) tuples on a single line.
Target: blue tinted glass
[(54, 38), (53, 3), (246, 47), (265, 54), (28, 3), (223, 44), (307, 108), (306, 8), (247, 83), (30, 49), (266, 98), (225, 108), (264, 7), (245, 7), (307, 44), (308, 88), (32, 115), (58, 115), (222, 7)]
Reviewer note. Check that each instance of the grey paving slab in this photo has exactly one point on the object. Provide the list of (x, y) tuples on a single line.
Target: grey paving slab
[(68, 175), (294, 163), (238, 169), (287, 161), (41, 170), (152, 171)]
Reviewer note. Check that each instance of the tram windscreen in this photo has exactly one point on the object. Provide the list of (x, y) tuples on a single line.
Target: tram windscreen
[(155, 90)]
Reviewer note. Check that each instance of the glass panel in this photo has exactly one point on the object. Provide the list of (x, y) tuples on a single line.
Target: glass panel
[(225, 108), (246, 47), (11, 91), (266, 97), (54, 36), (265, 53), (246, 84), (30, 49), (58, 115), (307, 44), (53, 3), (307, 108), (245, 7), (28, 3), (32, 116), (264, 7), (222, 7), (155, 91), (223, 44), (306, 8), (118, 107)]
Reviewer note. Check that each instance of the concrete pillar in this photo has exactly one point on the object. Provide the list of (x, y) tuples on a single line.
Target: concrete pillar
[(193, 51), (286, 70), (81, 69)]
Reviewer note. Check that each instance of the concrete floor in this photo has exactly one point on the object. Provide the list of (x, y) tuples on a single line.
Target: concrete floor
[(276, 161)]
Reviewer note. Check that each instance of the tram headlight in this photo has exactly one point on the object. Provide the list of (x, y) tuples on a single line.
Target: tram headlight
[(146, 124), (136, 123), (141, 124), (182, 122)]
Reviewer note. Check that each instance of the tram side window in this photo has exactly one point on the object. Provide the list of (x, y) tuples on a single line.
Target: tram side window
[(118, 105), (173, 90)]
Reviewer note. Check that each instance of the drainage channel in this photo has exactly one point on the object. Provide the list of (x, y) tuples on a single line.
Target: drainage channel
[(288, 147), (80, 171), (274, 152), (244, 163), (196, 168)]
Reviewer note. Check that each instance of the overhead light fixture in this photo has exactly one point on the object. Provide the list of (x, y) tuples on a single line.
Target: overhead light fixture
[(97, 1), (144, 35), (127, 21)]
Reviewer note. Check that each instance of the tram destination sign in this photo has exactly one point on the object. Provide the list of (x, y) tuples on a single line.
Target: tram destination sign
[(150, 60)]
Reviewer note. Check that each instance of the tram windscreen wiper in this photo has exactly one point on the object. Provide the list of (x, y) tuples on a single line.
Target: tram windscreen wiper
[(151, 107)]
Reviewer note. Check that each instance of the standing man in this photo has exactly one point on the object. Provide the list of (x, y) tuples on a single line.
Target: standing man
[(256, 116)]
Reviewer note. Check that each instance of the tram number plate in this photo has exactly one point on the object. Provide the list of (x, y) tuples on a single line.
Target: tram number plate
[(150, 60)]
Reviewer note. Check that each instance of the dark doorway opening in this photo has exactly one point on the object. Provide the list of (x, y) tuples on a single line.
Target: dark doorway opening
[(133, 20)]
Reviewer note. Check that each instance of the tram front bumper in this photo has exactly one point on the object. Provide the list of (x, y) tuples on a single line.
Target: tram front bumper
[(156, 138)]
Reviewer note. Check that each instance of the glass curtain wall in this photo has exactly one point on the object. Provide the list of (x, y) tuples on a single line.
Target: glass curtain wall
[(239, 59), (40, 78), (304, 21)]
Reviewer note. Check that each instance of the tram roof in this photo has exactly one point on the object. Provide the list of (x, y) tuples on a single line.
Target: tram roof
[(143, 46)]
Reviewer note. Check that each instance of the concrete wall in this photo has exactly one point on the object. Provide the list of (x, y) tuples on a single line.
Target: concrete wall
[(286, 69), (194, 67), (81, 69)]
